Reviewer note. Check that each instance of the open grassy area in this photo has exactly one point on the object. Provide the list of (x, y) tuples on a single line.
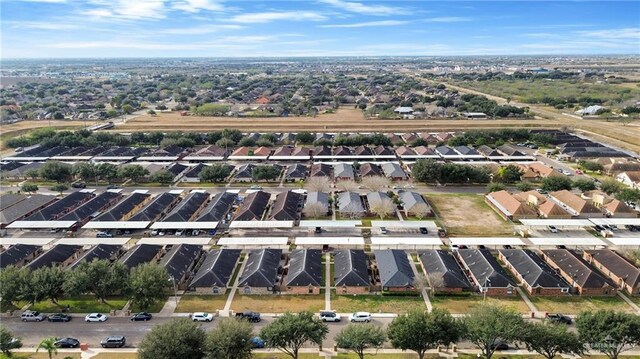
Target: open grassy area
[(577, 304), (375, 303), (468, 215), (278, 303), (383, 356), (464, 304), (190, 303), (115, 356), (42, 354), (157, 307), (82, 304), (284, 356)]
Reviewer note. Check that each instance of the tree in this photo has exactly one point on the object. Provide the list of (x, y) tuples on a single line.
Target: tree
[(488, 325), (178, 338), (609, 331), (314, 210), (358, 338), (290, 331), (86, 171), (524, 186), (550, 339), (55, 171), (147, 284), (162, 176), (611, 186), (584, 184), (100, 277), (12, 280), (107, 171), (420, 331), (29, 187), (305, 138), (590, 166), (352, 211), (383, 208), (495, 187), (348, 185), (7, 341), (508, 174), (556, 183), (265, 173), (628, 195), (215, 173), (47, 283), (60, 188), (133, 172), (49, 345), (375, 183), (317, 184), (231, 339)]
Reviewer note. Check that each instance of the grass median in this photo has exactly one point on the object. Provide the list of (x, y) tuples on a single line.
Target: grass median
[(278, 303), (190, 303), (463, 304), (577, 304), (81, 304), (375, 303)]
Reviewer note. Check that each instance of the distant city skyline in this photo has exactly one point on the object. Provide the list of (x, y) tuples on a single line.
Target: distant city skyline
[(212, 28)]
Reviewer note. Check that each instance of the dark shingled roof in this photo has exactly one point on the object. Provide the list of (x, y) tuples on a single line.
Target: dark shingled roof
[(253, 206), (305, 268), (156, 208), (97, 252), (573, 265), (285, 207), (351, 269), (533, 269), (618, 265), (16, 254), (219, 206), (394, 268), (96, 204), (483, 266), (437, 262), (124, 207), (141, 253), (9, 199), (261, 269), (57, 254), (216, 269), (187, 208), (179, 259), (61, 207), (22, 208)]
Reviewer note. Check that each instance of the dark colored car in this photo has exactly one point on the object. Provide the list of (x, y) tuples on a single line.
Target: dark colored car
[(112, 186), (559, 318), (67, 343), (424, 230), (250, 316), (116, 341), (500, 346), (59, 317), (140, 317), (79, 185), (257, 342)]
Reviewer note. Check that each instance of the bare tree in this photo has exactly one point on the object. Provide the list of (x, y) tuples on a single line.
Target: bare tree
[(382, 208), (421, 210), (375, 183), (352, 211), (420, 282), (318, 184), (315, 210), (436, 281), (348, 185)]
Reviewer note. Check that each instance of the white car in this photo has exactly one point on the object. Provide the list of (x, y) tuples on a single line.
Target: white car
[(330, 316), (360, 317), (201, 317), (95, 317), (553, 229)]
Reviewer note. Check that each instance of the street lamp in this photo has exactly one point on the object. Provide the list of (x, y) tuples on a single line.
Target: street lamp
[(485, 289), (175, 291)]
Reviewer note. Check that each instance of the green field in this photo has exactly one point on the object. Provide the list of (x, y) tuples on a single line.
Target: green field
[(376, 303), (81, 304)]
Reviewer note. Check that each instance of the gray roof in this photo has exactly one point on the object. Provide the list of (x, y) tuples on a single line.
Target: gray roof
[(411, 199), (350, 268), (533, 269), (16, 254), (369, 169), (97, 252), (245, 171), (442, 263), (394, 268), (61, 207), (305, 268), (466, 151), (320, 169), (187, 207), (577, 268), (180, 258), (285, 207), (376, 197), (296, 171), (253, 206), (446, 151), (156, 208), (93, 207), (318, 197), (350, 201), (140, 253), (261, 269), (23, 208), (343, 170), (9, 199), (123, 207), (57, 254), (485, 268), (219, 206), (618, 265), (216, 269), (393, 170)]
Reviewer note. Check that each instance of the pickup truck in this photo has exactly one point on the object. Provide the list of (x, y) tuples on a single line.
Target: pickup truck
[(559, 318), (248, 315)]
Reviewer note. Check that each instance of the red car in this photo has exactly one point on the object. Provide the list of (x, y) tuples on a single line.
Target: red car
[(578, 172)]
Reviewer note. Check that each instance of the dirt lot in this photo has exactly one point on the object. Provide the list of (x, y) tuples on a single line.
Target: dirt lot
[(575, 304), (375, 303), (461, 305), (201, 303), (278, 303), (468, 215)]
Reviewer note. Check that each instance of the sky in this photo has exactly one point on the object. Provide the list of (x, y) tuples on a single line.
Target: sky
[(264, 28)]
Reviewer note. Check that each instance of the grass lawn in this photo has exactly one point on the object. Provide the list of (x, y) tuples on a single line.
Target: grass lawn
[(375, 303), (157, 307), (190, 303), (284, 356), (115, 356), (383, 356), (576, 304), (278, 303), (82, 304), (464, 304), (42, 354)]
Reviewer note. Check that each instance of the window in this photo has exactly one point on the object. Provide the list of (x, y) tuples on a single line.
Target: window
[(565, 290), (247, 290), (216, 290)]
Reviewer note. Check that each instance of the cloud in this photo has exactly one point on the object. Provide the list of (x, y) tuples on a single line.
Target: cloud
[(47, 1), (197, 5), (35, 25), (366, 9), (626, 33), (448, 19), (200, 30), (127, 9), (368, 24), (264, 17)]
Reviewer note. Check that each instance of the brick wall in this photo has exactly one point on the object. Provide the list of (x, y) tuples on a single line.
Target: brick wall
[(303, 290), (352, 290)]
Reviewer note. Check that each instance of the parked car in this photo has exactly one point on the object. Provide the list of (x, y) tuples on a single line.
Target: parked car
[(95, 317), (500, 346), (112, 186), (599, 228), (103, 234), (255, 187), (67, 343), (559, 318), (552, 229), (578, 172), (541, 191), (142, 316), (32, 316), (201, 317), (330, 316), (115, 341), (253, 317), (360, 317), (424, 230), (257, 343), (78, 185), (383, 230), (179, 232), (212, 232), (59, 317)]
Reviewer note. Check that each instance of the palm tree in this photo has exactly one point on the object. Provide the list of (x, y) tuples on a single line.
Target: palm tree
[(49, 345)]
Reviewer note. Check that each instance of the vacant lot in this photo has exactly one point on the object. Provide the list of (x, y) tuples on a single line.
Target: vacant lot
[(82, 304), (576, 304), (461, 305), (201, 303), (278, 303), (468, 215), (375, 303)]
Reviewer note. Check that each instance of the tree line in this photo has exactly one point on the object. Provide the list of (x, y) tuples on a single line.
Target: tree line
[(431, 171)]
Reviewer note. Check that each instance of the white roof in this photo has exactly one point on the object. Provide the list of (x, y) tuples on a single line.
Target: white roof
[(41, 224), (94, 241), (625, 241), (616, 221), (414, 241), (175, 240), (353, 241), (203, 158), (184, 225), (290, 157), (117, 225), (248, 158), (9, 241), (258, 241), (261, 224), (557, 222), (567, 241), (329, 223), (404, 224), (487, 241)]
